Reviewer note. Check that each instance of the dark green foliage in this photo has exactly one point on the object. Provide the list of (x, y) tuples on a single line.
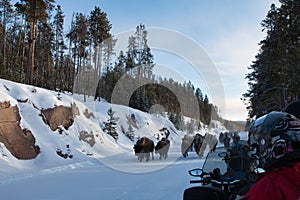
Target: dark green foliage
[(110, 126), (135, 67), (33, 50), (60, 69), (274, 78), (5, 16), (35, 12), (33, 46)]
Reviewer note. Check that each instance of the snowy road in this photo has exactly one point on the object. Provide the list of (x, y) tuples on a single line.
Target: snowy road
[(94, 180)]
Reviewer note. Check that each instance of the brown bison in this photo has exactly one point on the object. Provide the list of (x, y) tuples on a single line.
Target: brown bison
[(198, 141), (187, 144), (143, 148), (162, 148), (209, 140)]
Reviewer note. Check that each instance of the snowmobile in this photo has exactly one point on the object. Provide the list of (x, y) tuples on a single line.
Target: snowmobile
[(227, 173)]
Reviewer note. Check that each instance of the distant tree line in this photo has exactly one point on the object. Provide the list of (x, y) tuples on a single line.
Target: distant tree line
[(34, 51), (136, 66), (274, 80)]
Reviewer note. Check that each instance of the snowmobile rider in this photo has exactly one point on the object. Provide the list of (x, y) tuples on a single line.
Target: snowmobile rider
[(276, 137)]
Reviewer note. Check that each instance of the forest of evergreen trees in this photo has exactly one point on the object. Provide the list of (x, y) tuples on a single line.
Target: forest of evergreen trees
[(274, 80), (36, 50)]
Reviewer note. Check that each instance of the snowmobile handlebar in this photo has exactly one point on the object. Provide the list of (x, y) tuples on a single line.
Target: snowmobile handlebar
[(207, 179), (196, 181)]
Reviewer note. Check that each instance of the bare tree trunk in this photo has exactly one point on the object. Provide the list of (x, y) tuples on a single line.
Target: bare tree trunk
[(22, 65), (3, 66), (56, 62), (30, 72)]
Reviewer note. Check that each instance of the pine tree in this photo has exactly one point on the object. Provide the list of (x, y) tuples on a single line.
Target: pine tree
[(140, 53), (59, 47), (190, 126), (34, 11), (274, 77), (179, 122), (16, 43), (111, 125), (6, 14), (99, 30), (44, 58), (207, 111), (79, 36)]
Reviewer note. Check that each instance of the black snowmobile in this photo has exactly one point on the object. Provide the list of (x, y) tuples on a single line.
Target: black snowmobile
[(227, 173)]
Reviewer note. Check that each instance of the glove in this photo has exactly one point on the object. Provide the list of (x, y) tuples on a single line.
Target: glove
[(216, 174)]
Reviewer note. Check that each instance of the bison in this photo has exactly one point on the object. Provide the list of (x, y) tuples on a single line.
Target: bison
[(143, 148), (162, 148), (209, 140), (187, 144), (198, 141)]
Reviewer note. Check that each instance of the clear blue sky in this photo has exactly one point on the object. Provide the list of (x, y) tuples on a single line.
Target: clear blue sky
[(228, 31)]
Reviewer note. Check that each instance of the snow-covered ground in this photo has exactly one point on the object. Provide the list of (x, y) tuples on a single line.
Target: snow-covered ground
[(92, 180), (108, 170)]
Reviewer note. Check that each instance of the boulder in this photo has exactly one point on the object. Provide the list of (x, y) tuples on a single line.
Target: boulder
[(20, 143), (58, 116)]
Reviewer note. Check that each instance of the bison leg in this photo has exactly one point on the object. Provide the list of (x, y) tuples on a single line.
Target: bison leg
[(147, 157), (197, 151), (202, 149), (213, 148), (140, 157), (185, 154), (166, 155)]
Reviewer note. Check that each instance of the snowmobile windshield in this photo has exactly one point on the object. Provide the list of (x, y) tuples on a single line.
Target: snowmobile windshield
[(239, 157), (235, 165), (213, 161)]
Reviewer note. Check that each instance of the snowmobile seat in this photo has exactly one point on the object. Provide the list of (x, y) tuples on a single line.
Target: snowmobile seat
[(200, 192)]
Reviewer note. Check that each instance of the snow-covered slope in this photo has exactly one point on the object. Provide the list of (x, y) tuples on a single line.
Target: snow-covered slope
[(94, 172), (110, 152)]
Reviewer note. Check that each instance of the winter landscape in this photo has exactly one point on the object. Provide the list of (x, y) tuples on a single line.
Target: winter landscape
[(83, 83), (105, 170)]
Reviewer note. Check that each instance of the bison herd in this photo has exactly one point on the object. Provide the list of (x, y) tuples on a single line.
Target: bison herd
[(145, 146), (199, 143)]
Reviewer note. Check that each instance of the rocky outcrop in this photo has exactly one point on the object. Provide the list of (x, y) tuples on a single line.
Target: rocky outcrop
[(58, 116), (20, 143), (87, 137)]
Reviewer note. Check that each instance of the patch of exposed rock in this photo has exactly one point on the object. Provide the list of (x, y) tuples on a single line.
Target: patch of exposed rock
[(59, 116), (88, 114), (87, 137), (20, 143)]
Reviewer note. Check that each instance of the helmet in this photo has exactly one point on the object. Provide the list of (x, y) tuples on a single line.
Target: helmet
[(274, 135), (294, 109)]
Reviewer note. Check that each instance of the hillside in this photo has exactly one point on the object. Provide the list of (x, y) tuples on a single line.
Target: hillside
[(62, 137), (235, 125)]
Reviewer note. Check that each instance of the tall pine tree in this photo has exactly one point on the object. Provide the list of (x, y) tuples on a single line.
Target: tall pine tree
[(274, 77), (34, 12)]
